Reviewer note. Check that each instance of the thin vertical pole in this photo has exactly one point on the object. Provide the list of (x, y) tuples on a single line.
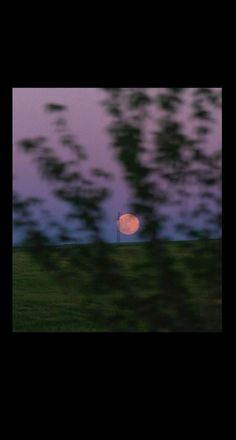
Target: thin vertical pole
[(117, 229)]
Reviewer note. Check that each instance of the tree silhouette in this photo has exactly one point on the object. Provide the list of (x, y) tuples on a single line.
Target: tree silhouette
[(176, 162)]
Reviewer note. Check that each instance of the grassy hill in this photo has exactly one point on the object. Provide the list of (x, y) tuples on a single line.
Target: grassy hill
[(50, 299)]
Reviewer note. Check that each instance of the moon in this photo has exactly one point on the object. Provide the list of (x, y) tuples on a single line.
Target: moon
[(128, 224)]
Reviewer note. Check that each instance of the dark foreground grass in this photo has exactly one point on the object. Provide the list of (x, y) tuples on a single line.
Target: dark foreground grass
[(42, 304)]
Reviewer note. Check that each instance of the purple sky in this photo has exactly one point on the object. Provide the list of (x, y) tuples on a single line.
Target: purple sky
[(88, 121)]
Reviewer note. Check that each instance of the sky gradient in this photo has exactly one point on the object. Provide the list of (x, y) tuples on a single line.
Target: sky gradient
[(88, 121)]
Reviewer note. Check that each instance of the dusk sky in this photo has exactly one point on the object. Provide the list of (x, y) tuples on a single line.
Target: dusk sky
[(88, 121)]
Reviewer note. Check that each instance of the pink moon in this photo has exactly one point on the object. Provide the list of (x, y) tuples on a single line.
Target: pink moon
[(128, 224)]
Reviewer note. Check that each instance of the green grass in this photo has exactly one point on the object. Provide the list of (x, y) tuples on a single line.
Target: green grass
[(42, 304)]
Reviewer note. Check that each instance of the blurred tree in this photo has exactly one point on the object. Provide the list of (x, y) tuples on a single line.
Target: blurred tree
[(177, 164), (83, 195)]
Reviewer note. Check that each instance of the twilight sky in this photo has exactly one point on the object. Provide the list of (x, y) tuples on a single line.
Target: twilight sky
[(88, 121)]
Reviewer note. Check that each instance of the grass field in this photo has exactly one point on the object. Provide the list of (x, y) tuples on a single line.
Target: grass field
[(44, 303)]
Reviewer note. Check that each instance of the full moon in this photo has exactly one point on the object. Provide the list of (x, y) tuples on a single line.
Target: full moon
[(128, 224)]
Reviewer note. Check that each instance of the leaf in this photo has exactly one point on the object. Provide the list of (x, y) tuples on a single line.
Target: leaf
[(28, 144), (139, 99), (202, 130), (55, 107)]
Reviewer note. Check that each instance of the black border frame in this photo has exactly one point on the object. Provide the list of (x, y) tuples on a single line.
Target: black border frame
[(146, 339)]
